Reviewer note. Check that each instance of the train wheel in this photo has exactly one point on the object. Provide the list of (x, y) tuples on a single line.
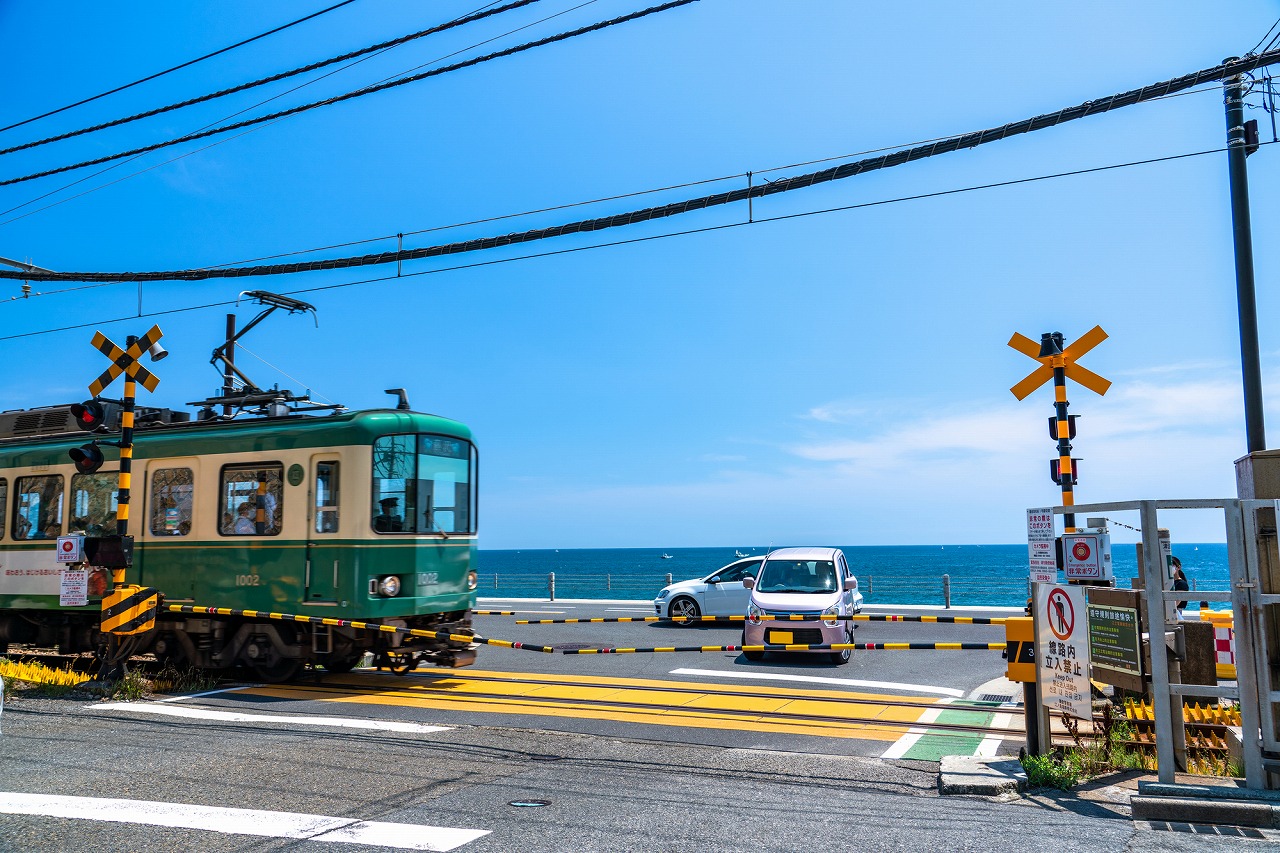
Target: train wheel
[(269, 665)]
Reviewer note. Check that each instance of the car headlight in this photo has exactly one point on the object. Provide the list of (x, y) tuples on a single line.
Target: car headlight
[(473, 580), (754, 613), (664, 594), (830, 616), (389, 586)]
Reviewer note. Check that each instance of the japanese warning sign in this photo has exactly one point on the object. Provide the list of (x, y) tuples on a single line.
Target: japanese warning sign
[(1040, 545), (1062, 649)]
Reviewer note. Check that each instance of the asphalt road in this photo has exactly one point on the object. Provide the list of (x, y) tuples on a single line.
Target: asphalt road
[(363, 768), (600, 793)]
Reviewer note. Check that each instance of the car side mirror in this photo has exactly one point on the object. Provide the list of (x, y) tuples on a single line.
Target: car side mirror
[(749, 582), (713, 580), (850, 584)]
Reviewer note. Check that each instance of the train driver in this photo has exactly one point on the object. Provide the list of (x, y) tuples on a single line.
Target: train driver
[(388, 521)]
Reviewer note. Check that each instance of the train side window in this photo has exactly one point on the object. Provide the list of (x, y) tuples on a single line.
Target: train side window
[(94, 502), (251, 500), (172, 495), (37, 507), (326, 497), (4, 496)]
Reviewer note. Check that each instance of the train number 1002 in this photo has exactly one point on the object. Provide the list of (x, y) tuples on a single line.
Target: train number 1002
[(248, 580)]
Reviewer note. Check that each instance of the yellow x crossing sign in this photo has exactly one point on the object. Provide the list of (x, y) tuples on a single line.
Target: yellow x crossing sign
[(125, 361), (1067, 361)]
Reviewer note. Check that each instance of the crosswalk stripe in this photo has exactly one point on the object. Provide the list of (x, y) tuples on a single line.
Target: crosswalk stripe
[(229, 821)]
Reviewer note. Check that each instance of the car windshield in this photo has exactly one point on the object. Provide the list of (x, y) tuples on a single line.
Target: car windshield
[(802, 576)]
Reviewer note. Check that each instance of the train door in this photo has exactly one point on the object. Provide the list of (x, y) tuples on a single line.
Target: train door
[(164, 522), (324, 530)]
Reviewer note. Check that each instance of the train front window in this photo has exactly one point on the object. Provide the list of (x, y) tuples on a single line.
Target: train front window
[(94, 503), (37, 507), (423, 484)]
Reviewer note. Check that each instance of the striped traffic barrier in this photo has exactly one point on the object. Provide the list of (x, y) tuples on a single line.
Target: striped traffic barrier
[(494, 612), (365, 626), (799, 647), (772, 617)]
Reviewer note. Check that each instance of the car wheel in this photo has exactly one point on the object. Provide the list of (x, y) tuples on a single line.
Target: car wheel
[(685, 606), (842, 657), (750, 655)]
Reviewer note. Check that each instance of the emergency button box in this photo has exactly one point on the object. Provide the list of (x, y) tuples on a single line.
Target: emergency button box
[(1087, 556)]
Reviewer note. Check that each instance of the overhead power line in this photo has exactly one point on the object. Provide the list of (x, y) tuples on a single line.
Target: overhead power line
[(612, 243), (782, 185), (186, 64), (386, 45), (368, 90), (246, 131)]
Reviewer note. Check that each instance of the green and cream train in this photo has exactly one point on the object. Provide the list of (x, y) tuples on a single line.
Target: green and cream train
[(367, 515)]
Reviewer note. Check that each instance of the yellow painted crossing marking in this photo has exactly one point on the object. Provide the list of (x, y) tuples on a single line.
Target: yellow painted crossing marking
[(647, 702)]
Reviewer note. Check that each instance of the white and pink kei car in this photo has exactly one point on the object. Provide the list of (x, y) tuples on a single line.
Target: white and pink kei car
[(813, 582)]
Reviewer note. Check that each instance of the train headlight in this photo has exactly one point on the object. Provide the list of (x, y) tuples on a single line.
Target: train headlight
[(754, 613), (473, 579), (829, 616), (389, 586)]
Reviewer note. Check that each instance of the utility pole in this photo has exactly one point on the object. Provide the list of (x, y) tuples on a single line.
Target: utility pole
[(1255, 431)]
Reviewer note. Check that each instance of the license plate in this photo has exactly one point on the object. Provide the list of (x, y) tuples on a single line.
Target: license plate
[(782, 638)]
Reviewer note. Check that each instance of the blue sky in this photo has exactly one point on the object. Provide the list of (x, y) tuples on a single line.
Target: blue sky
[(839, 378)]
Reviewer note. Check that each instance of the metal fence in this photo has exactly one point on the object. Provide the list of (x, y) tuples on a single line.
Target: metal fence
[(936, 590)]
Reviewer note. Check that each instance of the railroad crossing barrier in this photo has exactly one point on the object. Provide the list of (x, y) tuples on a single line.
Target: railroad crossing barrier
[(529, 647), (364, 626), (773, 617)]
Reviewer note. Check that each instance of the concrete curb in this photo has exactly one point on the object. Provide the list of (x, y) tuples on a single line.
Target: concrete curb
[(1186, 810), (987, 777)]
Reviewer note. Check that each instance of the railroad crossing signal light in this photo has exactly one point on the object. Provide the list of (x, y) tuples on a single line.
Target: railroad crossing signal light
[(88, 457), (1057, 478), (96, 415), (1071, 426)]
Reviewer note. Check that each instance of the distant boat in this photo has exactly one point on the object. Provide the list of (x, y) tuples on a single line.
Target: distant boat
[(739, 554), (666, 556)]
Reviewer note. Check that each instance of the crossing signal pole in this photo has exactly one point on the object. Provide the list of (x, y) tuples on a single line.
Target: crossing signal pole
[(96, 415), (1059, 364)]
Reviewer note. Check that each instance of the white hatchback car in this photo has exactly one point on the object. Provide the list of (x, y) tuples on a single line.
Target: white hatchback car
[(720, 593), (811, 582)]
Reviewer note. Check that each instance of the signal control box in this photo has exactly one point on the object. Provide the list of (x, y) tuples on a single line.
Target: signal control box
[(1087, 556)]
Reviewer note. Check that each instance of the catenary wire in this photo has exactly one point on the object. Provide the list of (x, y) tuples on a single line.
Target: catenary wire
[(1264, 37), (782, 185), (368, 90), (613, 244), (377, 48), (186, 64), (238, 135)]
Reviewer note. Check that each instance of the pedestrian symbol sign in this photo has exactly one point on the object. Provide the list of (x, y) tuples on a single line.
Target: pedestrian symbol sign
[(1062, 650), (1061, 614)]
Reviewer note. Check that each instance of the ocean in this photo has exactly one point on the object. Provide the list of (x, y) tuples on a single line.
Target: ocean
[(980, 575)]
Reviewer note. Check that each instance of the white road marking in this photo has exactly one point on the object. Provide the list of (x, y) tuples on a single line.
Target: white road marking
[(991, 743), (628, 609), (904, 743), (198, 695), (237, 717), (817, 679), (228, 821)]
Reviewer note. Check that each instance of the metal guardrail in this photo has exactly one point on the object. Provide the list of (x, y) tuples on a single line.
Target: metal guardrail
[(944, 590)]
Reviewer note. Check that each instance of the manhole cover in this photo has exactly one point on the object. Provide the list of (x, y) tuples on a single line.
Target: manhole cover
[(529, 804), (572, 646)]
